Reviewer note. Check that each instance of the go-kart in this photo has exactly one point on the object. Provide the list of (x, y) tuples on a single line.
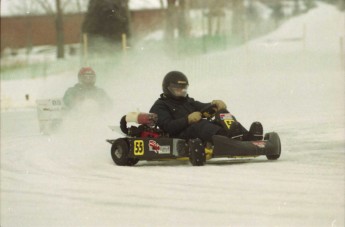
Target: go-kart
[(148, 142)]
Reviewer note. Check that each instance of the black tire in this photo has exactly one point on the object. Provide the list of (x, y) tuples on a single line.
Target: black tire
[(119, 153), (197, 155), (273, 137), (132, 161)]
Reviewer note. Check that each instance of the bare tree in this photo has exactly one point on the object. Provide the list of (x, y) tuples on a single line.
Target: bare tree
[(170, 19), (214, 16), (78, 5), (59, 31), (183, 23), (177, 18), (60, 5), (161, 3), (22, 8), (238, 21), (106, 23), (297, 9), (46, 6), (49, 8)]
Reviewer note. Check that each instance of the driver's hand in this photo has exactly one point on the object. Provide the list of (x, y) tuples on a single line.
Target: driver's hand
[(194, 117), (219, 104)]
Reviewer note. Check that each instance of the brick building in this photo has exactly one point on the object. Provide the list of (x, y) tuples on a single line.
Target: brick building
[(25, 31)]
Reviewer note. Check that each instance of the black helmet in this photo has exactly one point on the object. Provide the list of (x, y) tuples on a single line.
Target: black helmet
[(175, 85)]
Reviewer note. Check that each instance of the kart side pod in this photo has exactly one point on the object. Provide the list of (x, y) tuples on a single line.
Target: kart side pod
[(270, 147)]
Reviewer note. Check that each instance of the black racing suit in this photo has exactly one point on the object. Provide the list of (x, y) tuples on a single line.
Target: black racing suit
[(79, 93), (173, 118)]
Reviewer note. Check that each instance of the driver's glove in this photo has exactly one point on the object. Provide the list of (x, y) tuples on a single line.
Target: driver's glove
[(194, 117), (219, 104)]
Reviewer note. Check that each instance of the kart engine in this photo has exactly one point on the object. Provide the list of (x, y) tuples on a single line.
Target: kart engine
[(147, 125)]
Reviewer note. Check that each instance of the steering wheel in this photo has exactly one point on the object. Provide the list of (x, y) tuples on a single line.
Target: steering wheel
[(208, 111)]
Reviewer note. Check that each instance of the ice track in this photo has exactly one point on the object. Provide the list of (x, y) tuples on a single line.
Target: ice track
[(70, 180)]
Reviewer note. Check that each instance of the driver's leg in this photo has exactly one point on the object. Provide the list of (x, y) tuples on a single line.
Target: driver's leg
[(228, 122), (204, 130)]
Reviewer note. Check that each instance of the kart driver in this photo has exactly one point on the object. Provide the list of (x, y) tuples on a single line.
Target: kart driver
[(85, 90), (180, 116)]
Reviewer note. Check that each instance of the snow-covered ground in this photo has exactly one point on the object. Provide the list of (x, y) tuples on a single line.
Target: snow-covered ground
[(292, 86)]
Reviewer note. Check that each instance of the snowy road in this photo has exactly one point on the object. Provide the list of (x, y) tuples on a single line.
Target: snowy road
[(69, 179), (65, 180)]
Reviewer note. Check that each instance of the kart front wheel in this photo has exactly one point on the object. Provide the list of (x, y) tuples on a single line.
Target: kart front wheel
[(273, 137), (196, 152), (119, 153)]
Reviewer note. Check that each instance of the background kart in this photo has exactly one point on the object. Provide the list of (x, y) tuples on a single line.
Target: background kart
[(147, 142)]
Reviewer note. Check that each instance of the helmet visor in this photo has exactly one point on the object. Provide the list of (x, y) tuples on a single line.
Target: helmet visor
[(88, 79), (178, 90)]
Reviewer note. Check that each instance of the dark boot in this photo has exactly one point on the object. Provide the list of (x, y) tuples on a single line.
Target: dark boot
[(256, 131)]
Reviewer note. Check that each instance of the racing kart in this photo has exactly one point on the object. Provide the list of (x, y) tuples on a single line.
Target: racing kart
[(148, 142)]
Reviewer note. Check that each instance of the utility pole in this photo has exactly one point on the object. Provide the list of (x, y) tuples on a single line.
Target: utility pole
[(59, 30)]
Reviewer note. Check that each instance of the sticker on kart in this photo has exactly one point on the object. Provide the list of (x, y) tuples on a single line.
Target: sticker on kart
[(227, 118), (228, 123), (158, 149), (260, 144)]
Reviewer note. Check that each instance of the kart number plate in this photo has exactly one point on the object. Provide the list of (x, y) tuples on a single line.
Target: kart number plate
[(138, 147)]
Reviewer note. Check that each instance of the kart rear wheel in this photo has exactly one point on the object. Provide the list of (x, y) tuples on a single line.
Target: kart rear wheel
[(119, 153), (197, 155), (273, 137)]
